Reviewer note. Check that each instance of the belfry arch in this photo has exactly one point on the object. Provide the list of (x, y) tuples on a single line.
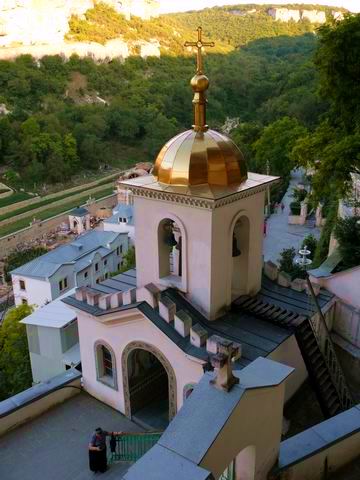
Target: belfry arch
[(172, 252), (159, 362), (239, 256)]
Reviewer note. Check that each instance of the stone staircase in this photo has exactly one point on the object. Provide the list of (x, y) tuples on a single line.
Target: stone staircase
[(319, 354)]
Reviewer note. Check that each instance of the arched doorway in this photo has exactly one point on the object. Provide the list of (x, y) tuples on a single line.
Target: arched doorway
[(240, 257), (149, 385)]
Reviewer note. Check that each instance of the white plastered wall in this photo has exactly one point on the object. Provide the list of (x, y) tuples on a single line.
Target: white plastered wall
[(36, 292), (207, 248), (137, 328), (289, 354), (256, 421)]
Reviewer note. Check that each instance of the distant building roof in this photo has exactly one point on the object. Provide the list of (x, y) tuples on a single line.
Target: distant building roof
[(122, 211), (79, 212), (73, 253)]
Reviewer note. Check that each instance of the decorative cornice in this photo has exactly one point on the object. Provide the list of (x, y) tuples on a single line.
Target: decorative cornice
[(198, 202)]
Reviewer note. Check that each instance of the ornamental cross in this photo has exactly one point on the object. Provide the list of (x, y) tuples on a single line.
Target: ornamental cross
[(199, 45)]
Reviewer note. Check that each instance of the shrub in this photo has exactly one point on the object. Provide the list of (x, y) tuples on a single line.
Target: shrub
[(299, 194), (322, 248), (295, 208), (311, 243), (287, 264), (347, 233)]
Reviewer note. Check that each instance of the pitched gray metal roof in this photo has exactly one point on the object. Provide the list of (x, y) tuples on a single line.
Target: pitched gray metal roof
[(122, 211), (70, 254), (79, 212), (257, 337)]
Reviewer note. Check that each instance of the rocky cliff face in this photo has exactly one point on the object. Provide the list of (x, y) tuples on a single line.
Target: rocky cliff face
[(41, 22), (286, 14)]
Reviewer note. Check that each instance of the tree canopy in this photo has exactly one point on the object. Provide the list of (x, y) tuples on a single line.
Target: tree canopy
[(15, 369), (333, 147)]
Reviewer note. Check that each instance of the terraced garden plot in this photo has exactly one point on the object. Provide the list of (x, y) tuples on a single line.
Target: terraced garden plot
[(14, 198), (52, 212), (49, 201)]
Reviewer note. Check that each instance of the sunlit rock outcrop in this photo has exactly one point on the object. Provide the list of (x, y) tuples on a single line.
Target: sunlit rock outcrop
[(36, 22)]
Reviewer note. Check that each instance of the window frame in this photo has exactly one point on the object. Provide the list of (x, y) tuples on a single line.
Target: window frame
[(105, 362), (22, 285), (63, 284)]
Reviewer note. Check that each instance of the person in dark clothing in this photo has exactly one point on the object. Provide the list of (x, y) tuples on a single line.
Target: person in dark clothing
[(97, 450)]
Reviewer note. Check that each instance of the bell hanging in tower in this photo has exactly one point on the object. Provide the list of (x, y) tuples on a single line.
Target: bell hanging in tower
[(169, 237), (236, 252)]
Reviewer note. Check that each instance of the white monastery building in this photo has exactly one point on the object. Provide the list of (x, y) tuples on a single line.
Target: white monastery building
[(200, 333), (198, 287), (86, 261), (122, 220)]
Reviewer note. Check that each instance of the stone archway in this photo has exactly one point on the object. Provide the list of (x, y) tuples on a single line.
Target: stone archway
[(138, 345)]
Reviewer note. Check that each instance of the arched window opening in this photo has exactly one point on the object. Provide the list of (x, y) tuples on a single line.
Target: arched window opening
[(240, 257), (170, 251), (105, 365), (245, 464)]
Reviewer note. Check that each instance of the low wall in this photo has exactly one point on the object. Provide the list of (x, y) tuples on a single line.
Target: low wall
[(36, 400), (10, 242), (320, 450), (296, 220)]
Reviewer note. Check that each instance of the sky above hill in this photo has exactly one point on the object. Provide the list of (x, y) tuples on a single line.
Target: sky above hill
[(171, 6)]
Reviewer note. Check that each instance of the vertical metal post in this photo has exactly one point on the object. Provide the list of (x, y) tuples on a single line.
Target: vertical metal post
[(268, 208)]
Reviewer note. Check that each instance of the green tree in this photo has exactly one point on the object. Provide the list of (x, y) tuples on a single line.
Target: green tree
[(19, 257), (71, 157), (15, 369), (334, 147), (275, 145)]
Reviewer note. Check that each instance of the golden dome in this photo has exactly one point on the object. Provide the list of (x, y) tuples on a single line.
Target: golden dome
[(198, 157)]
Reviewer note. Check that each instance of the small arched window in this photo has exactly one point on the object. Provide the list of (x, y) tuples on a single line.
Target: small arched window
[(105, 365)]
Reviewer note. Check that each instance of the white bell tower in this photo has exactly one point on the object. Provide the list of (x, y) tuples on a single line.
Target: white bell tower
[(199, 217)]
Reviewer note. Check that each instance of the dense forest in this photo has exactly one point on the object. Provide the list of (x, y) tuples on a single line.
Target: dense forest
[(68, 116)]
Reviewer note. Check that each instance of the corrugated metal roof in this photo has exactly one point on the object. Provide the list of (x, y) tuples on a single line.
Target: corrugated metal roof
[(71, 253), (122, 211), (55, 315)]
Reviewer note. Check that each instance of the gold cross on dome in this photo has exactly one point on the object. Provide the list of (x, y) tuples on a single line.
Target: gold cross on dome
[(199, 45)]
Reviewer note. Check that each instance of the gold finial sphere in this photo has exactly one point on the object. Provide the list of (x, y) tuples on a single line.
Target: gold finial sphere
[(199, 83)]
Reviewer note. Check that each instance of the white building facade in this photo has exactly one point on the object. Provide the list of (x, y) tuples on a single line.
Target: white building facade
[(86, 261)]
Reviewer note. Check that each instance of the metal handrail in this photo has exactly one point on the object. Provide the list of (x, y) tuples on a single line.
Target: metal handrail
[(329, 354), (130, 447)]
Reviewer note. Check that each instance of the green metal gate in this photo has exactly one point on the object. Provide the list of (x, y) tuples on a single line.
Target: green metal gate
[(132, 446)]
